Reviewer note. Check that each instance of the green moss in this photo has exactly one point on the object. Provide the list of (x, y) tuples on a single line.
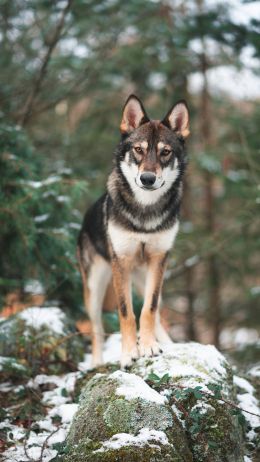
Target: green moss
[(219, 437), (131, 416), (102, 414), (211, 432), (83, 453)]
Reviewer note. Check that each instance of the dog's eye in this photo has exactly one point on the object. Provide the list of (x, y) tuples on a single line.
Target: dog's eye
[(165, 152), (138, 150)]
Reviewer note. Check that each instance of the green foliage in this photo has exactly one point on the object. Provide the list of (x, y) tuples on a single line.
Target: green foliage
[(158, 381), (39, 221), (104, 51), (38, 349)]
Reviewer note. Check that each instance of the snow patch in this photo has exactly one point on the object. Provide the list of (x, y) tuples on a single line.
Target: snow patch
[(41, 218), (111, 354), (191, 364), (243, 384), (35, 287), (65, 411), (39, 184), (37, 318), (133, 387), (238, 338), (254, 371), (145, 437)]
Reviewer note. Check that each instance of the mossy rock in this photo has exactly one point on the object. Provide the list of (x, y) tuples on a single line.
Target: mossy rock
[(195, 374), (136, 416), (44, 340), (115, 422)]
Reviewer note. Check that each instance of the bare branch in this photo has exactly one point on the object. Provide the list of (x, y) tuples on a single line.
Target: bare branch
[(43, 69)]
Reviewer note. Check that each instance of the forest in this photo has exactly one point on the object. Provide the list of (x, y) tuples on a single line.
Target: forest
[(67, 68)]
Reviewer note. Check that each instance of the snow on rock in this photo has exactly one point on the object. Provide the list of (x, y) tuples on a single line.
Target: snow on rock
[(144, 437), (38, 317), (132, 387), (189, 364)]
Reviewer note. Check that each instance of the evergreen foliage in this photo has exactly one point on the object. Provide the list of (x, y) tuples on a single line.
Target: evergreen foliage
[(76, 63)]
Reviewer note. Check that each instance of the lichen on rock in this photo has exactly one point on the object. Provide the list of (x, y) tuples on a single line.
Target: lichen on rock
[(108, 408)]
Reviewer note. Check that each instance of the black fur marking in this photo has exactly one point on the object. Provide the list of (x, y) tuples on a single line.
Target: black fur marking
[(94, 226), (123, 307), (155, 297)]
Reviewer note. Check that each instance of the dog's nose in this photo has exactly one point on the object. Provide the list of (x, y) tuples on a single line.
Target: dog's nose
[(148, 179)]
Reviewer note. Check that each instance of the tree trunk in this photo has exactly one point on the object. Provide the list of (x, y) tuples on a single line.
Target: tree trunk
[(207, 143)]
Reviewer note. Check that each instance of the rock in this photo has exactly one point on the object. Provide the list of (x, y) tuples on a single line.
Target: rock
[(43, 340), (166, 408)]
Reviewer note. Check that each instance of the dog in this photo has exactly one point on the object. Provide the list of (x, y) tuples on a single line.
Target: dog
[(134, 225)]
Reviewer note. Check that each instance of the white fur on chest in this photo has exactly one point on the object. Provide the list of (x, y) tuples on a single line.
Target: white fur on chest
[(127, 243)]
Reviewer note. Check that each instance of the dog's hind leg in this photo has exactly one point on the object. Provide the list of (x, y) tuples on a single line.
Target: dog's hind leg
[(160, 333), (149, 317), (139, 282), (94, 289)]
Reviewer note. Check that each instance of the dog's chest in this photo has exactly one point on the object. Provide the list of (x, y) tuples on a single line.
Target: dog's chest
[(129, 243)]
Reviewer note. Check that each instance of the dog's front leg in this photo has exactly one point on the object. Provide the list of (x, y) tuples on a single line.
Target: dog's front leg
[(154, 280), (121, 268)]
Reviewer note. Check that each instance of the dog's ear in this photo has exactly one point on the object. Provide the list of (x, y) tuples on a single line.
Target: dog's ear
[(177, 119), (134, 115)]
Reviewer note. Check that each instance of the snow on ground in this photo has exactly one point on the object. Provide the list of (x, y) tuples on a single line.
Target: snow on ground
[(39, 317), (60, 404), (193, 362), (238, 338), (254, 371), (247, 400), (112, 351), (247, 459), (144, 437)]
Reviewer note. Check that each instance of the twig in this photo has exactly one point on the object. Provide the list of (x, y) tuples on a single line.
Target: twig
[(45, 443)]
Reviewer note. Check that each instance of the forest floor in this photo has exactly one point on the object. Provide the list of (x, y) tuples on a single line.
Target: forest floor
[(36, 414)]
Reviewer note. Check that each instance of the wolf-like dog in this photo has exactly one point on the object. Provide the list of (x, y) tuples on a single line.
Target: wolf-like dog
[(134, 225)]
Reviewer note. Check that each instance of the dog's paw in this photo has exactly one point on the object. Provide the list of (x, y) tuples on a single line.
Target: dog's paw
[(128, 357), (149, 348)]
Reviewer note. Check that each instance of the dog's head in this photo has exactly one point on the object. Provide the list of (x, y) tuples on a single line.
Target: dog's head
[(152, 154)]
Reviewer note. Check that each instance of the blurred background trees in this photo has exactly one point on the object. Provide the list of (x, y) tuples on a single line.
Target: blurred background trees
[(66, 69)]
